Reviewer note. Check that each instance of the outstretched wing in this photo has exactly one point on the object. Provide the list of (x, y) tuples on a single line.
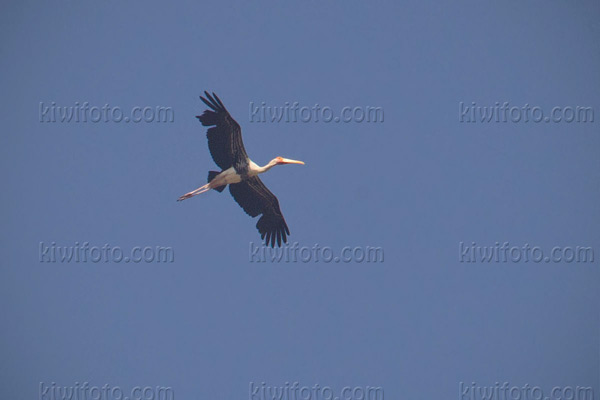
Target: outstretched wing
[(254, 197), (225, 135)]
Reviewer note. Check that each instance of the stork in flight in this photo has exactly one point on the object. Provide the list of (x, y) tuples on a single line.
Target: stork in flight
[(240, 173)]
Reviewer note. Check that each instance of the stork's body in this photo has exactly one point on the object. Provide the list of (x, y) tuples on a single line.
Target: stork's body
[(240, 173)]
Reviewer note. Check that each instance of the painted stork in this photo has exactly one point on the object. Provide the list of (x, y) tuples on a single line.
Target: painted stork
[(240, 173)]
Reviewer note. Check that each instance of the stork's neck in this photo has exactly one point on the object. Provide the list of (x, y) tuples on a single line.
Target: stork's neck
[(259, 170)]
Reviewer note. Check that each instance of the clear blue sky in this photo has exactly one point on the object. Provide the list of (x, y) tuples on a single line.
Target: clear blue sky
[(416, 185)]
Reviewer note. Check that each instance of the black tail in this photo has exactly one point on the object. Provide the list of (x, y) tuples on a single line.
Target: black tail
[(211, 176)]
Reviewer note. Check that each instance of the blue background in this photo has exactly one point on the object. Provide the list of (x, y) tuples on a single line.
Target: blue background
[(416, 185)]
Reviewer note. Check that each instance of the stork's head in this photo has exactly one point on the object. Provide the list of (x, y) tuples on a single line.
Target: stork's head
[(281, 161)]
